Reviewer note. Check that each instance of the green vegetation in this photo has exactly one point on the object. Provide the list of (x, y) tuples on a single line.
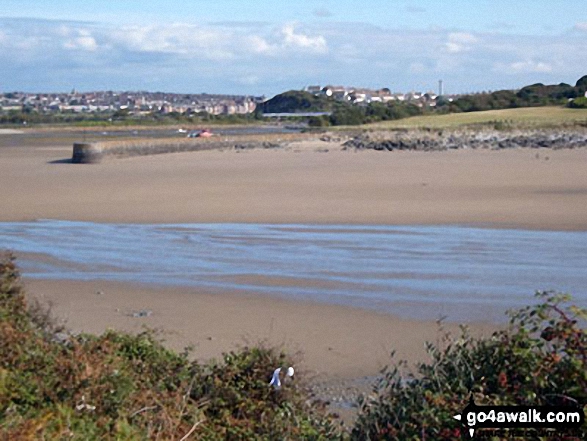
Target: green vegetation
[(345, 113), (374, 112), (579, 103), (529, 96), (540, 359), (121, 387), (528, 117), (298, 102), (341, 112), (119, 118)]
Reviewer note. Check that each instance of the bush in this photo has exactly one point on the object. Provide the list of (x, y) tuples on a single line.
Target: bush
[(348, 116), (578, 103), (540, 359), (318, 121), (123, 387)]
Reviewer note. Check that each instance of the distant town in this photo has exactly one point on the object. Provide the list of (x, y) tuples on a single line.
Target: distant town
[(142, 103), (133, 102)]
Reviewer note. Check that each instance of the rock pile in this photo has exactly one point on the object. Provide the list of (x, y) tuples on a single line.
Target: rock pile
[(486, 139)]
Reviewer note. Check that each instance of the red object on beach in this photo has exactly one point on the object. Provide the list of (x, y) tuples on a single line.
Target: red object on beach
[(204, 133)]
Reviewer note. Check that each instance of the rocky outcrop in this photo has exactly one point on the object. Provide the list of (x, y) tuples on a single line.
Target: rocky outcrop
[(446, 140)]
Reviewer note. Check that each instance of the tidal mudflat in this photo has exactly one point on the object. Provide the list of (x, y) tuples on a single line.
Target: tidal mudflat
[(418, 272), (342, 255)]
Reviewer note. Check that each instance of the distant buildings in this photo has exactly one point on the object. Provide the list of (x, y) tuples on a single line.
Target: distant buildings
[(356, 95), (133, 102), (142, 103)]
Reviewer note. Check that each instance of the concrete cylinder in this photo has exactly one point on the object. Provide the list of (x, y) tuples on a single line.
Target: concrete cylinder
[(86, 153)]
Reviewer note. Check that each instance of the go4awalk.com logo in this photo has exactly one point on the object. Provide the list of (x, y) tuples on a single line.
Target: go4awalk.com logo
[(556, 418)]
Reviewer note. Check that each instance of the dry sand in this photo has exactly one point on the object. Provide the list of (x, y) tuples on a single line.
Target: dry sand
[(512, 188)]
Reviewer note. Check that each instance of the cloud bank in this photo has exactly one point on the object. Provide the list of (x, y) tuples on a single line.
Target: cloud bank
[(44, 55)]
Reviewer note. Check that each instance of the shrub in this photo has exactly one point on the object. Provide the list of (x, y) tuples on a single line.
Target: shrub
[(318, 121), (541, 358), (123, 387), (578, 103), (348, 116)]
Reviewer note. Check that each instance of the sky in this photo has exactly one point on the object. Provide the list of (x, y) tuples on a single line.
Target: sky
[(264, 47)]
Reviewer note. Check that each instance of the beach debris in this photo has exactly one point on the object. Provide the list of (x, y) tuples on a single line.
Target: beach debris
[(61, 338), (204, 133), (276, 380), (142, 313), (84, 406)]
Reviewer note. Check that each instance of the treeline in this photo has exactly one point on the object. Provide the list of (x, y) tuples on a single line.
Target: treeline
[(120, 117), (530, 96), (374, 112)]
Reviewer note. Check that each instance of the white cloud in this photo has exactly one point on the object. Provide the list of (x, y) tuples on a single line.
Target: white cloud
[(83, 43), (228, 58), (460, 42), (81, 40), (179, 40), (260, 46), (302, 41), (581, 26), (530, 66)]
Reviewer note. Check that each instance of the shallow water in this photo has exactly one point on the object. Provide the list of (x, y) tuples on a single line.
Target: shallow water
[(414, 271), (68, 137)]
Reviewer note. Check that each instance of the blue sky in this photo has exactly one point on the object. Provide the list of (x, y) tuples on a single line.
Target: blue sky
[(265, 47)]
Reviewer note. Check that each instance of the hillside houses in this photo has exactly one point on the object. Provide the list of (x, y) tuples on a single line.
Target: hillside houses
[(357, 95)]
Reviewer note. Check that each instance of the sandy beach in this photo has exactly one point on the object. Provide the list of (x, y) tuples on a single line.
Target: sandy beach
[(529, 188), (520, 188), (330, 341)]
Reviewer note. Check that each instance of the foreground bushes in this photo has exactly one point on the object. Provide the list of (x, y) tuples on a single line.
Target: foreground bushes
[(541, 359), (116, 386)]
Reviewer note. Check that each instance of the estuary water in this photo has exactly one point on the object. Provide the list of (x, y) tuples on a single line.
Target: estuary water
[(423, 272)]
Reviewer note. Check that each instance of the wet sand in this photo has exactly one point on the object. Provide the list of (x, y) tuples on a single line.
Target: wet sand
[(512, 188), (331, 342)]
